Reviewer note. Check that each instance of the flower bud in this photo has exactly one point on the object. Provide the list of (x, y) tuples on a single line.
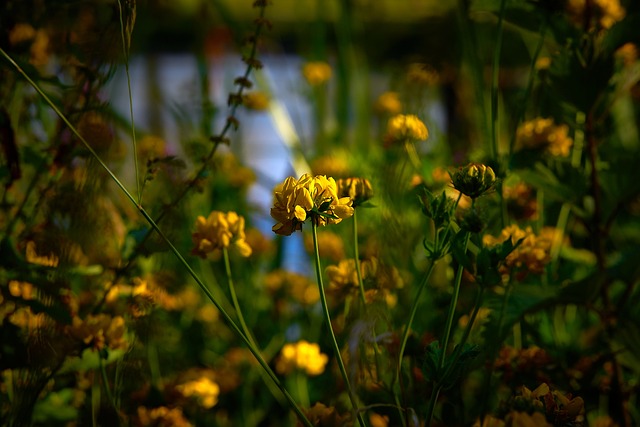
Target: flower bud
[(358, 189), (473, 180)]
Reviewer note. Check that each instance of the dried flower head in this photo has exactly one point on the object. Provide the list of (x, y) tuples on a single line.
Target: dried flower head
[(402, 128), (317, 198), (316, 72), (218, 231), (302, 355), (543, 134)]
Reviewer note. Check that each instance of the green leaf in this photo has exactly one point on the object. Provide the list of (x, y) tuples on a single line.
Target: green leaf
[(459, 252)]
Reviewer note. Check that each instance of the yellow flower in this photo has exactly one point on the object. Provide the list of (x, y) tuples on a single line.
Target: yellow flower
[(473, 180), (388, 103), (299, 287), (316, 72), (543, 63), (317, 197), (405, 127), (542, 133), (358, 189), (21, 33), (217, 231), (255, 100), (377, 420), (607, 12), (343, 278), (330, 245), (203, 389), (99, 331), (301, 355)]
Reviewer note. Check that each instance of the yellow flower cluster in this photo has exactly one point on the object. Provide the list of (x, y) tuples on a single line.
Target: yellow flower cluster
[(295, 200), (316, 72), (343, 278), (403, 127), (388, 103), (303, 356), (203, 389), (99, 331), (161, 417), (533, 253), (542, 133), (218, 231), (608, 12), (357, 189)]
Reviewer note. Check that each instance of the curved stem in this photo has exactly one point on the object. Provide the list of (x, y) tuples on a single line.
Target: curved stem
[(327, 317), (234, 298), (407, 329)]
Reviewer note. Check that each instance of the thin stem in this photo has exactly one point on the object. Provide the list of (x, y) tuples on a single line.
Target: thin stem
[(234, 298), (125, 49), (495, 82), (407, 329), (356, 257), (172, 248), (327, 317), (447, 333), (105, 382)]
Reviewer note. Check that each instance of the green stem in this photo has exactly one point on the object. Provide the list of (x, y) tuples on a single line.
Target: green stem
[(234, 298), (356, 257), (495, 82), (327, 317), (407, 329), (172, 248), (447, 333), (105, 382), (125, 49)]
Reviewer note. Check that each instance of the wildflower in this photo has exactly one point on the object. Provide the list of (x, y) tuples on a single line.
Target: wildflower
[(299, 287), (33, 257), (405, 127), (316, 73), (301, 355), (203, 389), (543, 63), (330, 245), (217, 231), (521, 201), (533, 253), (543, 134), (422, 74), (377, 420), (257, 101), (161, 417), (388, 103), (627, 53), (99, 331), (315, 197), (358, 189), (343, 278), (473, 180), (21, 33)]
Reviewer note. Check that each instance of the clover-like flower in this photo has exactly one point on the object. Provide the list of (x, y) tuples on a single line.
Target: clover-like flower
[(203, 390), (317, 198), (301, 355), (473, 180), (544, 134), (218, 231), (401, 128)]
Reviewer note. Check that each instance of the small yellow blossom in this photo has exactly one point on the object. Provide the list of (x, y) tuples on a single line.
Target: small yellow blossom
[(388, 103), (99, 331), (218, 231), (316, 72), (343, 278), (203, 389), (358, 189), (628, 53), (606, 12), (295, 200), (543, 63), (377, 420), (521, 201), (533, 253), (33, 257), (21, 33), (257, 101), (542, 133), (299, 287), (402, 128), (303, 356)]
